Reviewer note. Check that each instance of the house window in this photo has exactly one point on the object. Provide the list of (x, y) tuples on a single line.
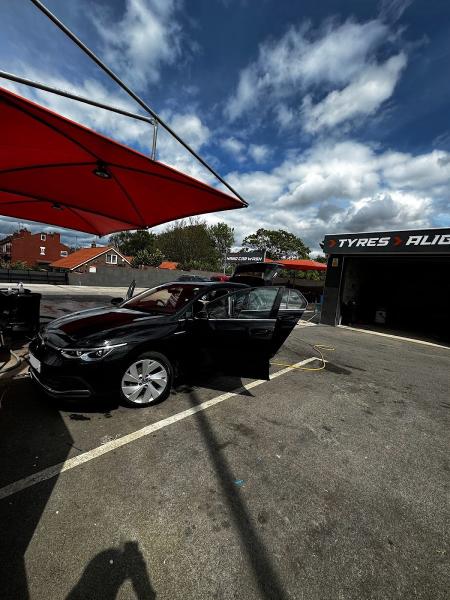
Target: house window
[(43, 238), (42, 250), (64, 253), (111, 259)]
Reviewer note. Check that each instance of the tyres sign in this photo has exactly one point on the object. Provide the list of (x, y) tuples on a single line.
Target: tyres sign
[(435, 241)]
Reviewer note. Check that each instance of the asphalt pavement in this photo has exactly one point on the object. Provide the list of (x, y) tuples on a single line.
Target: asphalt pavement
[(329, 484)]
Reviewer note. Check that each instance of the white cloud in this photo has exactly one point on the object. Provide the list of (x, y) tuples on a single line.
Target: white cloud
[(388, 210), (147, 36), (191, 128), (284, 115), (302, 58), (392, 10), (235, 147), (329, 171), (257, 186), (341, 186), (416, 172), (259, 152), (319, 79), (361, 97), (344, 186)]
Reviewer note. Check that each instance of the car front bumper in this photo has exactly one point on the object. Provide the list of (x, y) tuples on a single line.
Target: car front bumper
[(63, 387), (59, 377)]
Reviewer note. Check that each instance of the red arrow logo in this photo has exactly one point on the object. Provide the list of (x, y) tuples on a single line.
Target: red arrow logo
[(332, 243), (398, 241)]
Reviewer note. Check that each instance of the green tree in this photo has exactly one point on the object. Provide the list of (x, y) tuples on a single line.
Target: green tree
[(223, 238), (291, 275), (278, 244), (189, 242), (132, 242), (150, 259), (197, 265)]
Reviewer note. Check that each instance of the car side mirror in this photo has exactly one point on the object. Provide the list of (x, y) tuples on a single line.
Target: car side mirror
[(116, 301)]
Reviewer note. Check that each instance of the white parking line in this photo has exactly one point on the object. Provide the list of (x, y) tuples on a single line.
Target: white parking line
[(394, 337), (76, 461)]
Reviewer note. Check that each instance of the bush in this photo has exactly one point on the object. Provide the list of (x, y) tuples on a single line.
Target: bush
[(15, 266)]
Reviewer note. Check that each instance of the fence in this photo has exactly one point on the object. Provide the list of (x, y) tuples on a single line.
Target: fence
[(28, 276), (123, 276)]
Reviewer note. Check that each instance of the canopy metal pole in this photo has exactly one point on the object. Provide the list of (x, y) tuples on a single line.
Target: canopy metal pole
[(52, 90), (155, 137), (139, 100)]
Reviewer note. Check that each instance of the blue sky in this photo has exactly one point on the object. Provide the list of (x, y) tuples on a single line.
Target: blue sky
[(326, 116)]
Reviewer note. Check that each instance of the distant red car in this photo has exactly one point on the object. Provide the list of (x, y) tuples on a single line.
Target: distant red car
[(220, 277)]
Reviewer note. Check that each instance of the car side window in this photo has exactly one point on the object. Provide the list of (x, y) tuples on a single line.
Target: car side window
[(284, 299), (220, 308), (257, 303), (293, 300)]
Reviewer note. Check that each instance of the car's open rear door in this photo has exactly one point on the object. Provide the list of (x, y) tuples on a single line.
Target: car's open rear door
[(243, 324), (290, 311)]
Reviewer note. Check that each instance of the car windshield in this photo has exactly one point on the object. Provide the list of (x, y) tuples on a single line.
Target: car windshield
[(163, 300)]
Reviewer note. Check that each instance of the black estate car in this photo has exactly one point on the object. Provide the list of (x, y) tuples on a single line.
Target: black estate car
[(135, 347)]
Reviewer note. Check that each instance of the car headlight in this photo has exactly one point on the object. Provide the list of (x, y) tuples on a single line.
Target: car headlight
[(89, 354)]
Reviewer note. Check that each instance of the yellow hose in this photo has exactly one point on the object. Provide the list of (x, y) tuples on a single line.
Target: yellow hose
[(318, 348)]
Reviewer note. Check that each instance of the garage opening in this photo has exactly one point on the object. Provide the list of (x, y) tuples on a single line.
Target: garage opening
[(406, 295)]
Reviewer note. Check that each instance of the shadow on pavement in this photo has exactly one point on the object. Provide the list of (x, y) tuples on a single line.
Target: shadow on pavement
[(32, 437), (265, 574), (108, 570), (225, 378)]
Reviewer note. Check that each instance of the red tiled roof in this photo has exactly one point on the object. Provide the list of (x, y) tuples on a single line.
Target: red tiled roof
[(82, 256), (167, 264)]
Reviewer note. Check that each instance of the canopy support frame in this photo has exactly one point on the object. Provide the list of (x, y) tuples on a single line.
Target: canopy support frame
[(40, 6), (115, 109)]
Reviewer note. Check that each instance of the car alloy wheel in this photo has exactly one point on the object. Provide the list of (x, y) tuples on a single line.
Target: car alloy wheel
[(146, 380)]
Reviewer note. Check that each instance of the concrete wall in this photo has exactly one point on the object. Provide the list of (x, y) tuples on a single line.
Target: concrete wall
[(107, 277)]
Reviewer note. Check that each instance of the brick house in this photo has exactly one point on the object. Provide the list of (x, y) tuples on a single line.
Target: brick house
[(86, 260), (33, 248)]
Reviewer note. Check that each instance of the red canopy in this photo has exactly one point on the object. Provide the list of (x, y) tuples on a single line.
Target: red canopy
[(55, 171), (295, 264)]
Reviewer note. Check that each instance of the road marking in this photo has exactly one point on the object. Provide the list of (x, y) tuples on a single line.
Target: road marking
[(395, 337), (76, 461)]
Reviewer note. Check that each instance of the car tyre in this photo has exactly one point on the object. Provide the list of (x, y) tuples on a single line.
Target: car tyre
[(146, 380)]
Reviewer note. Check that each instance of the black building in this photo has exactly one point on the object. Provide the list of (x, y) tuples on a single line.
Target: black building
[(394, 280)]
